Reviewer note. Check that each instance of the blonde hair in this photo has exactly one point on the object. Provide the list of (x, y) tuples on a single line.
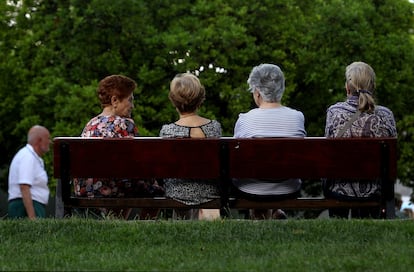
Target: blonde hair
[(360, 81), (186, 92)]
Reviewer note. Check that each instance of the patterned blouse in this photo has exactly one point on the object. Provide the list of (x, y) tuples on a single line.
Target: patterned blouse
[(110, 126), (211, 129), (113, 127), (380, 123), (191, 192)]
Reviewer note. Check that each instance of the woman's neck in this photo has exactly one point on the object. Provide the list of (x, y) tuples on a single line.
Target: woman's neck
[(187, 115), (269, 105), (191, 119), (108, 111)]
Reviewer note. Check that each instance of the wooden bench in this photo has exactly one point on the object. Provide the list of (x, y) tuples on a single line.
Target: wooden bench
[(223, 159)]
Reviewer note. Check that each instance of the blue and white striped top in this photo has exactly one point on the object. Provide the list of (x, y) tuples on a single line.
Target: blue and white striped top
[(273, 122)]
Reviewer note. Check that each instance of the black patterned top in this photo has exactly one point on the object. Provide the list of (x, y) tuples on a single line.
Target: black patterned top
[(191, 192), (211, 130), (380, 123)]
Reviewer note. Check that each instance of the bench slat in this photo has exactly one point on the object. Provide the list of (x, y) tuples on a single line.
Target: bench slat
[(158, 202), (138, 158), (299, 203), (310, 158)]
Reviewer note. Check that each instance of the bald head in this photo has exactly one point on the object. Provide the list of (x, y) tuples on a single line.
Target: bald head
[(39, 138)]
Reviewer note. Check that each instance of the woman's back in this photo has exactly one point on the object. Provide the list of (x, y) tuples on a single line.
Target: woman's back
[(273, 122), (379, 123), (207, 129)]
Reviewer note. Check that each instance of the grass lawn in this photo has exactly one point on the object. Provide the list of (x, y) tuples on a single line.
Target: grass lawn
[(223, 245)]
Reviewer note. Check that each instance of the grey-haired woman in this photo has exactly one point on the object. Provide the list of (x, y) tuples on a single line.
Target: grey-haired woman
[(270, 119)]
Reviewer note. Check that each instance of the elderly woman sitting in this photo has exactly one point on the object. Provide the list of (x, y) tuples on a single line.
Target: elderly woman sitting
[(269, 119)]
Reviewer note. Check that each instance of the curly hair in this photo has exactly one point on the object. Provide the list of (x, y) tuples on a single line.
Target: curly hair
[(269, 80), (115, 85)]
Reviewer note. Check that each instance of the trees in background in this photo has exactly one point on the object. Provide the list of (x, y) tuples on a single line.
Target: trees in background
[(53, 53)]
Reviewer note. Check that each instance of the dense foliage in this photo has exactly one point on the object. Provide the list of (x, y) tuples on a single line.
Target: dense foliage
[(53, 53)]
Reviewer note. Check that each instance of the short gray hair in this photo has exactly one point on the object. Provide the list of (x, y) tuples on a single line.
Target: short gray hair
[(269, 80)]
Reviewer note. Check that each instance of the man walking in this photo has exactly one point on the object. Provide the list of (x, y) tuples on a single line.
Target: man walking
[(28, 181)]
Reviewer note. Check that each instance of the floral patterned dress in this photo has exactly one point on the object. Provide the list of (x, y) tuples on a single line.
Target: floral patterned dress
[(113, 127)]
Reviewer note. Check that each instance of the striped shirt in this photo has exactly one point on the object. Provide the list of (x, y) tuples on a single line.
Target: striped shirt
[(273, 122)]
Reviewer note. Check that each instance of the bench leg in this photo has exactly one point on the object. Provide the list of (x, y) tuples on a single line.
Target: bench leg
[(59, 206), (390, 209)]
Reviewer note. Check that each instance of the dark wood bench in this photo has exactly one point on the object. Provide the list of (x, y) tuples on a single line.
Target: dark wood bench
[(223, 159)]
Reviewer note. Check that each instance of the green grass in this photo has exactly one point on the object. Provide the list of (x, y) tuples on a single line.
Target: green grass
[(224, 245)]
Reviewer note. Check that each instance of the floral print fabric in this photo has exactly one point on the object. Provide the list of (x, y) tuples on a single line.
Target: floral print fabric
[(113, 127), (110, 126)]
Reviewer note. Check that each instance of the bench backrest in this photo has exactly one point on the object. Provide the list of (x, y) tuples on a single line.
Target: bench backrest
[(153, 157), (313, 157), (136, 158)]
